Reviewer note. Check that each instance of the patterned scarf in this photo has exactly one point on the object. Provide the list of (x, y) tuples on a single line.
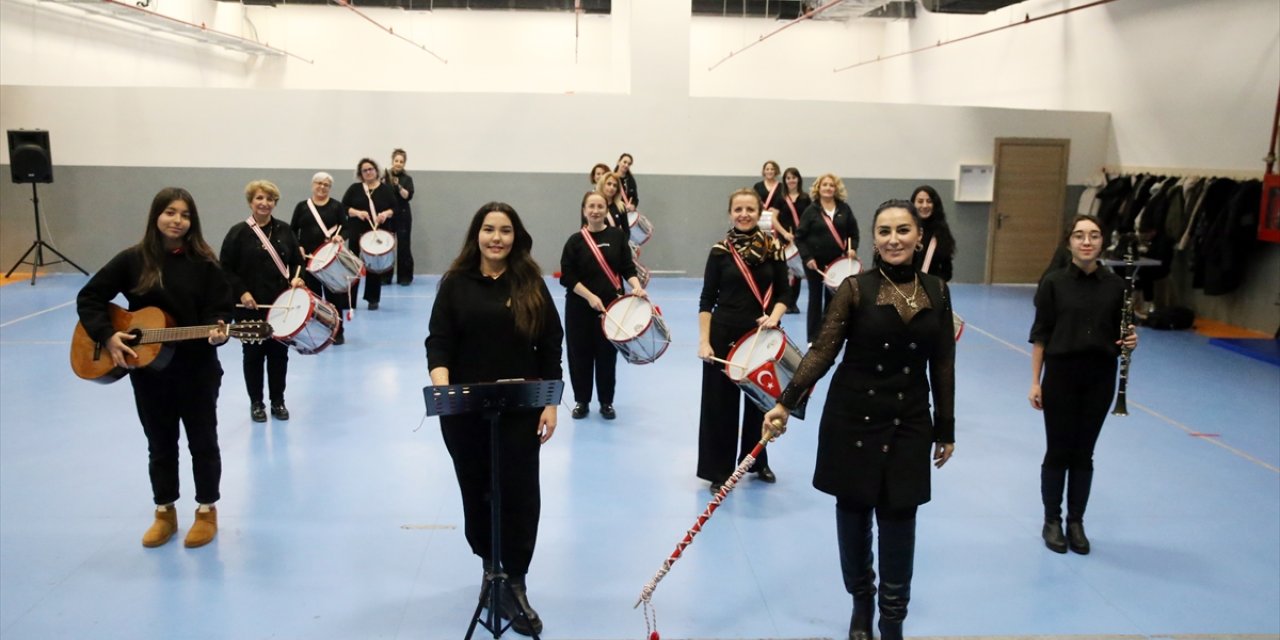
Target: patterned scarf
[(755, 246)]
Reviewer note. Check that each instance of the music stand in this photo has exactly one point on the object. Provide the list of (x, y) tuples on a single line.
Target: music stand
[(490, 399)]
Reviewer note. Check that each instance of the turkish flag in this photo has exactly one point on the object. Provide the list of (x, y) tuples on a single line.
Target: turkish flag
[(766, 378)]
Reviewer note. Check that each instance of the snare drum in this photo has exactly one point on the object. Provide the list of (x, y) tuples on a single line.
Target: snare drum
[(840, 269), (302, 320), (335, 266), (792, 255), (642, 274), (636, 328), (378, 249), (762, 363), (641, 228), (766, 221)]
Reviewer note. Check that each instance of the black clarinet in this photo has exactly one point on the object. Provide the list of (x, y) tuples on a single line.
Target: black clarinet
[(1126, 319)]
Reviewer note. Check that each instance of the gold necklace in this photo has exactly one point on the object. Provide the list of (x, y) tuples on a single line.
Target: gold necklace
[(915, 289)]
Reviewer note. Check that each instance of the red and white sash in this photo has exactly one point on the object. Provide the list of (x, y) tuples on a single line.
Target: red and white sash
[(751, 282), (831, 226), (595, 251), (271, 250), (328, 233)]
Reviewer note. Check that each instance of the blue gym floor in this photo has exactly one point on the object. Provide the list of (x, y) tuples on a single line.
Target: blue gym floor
[(345, 522)]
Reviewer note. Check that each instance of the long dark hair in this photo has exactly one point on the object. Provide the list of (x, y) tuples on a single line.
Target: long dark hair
[(525, 274), (909, 206), (152, 245), (792, 171), (936, 223)]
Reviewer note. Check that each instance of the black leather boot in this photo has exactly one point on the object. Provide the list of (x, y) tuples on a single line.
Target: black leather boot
[(897, 563), (1079, 483), (528, 624), (853, 531), (1052, 534), (1052, 482)]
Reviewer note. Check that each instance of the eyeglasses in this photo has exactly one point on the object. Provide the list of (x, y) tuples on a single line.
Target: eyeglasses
[(368, 169)]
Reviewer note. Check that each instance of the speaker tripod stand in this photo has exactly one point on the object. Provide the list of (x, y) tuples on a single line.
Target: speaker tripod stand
[(39, 247)]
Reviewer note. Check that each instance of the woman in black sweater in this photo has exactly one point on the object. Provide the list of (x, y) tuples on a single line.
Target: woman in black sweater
[(610, 186), (795, 201), (590, 287), (172, 268), (939, 246), (629, 193), (317, 220), (895, 326), (729, 307), (369, 202), (494, 319), (827, 231), (1075, 341)]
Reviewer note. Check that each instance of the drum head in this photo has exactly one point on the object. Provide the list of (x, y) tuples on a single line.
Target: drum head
[(323, 256), (289, 312), (840, 269), (626, 318), (790, 251), (377, 242), (754, 349)]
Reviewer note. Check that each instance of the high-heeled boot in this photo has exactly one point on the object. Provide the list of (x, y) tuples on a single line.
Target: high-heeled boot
[(1079, 482), (897, 563), (1052, 481), (853, 532), (530, 623)]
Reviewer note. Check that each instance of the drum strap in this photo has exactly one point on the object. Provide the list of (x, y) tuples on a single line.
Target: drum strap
[(769, 198), (328, 233), (751, 282), (831, 226), (622, 191), (595, 251), (928, 254), (794, 214), (373, 210), (271, 250)]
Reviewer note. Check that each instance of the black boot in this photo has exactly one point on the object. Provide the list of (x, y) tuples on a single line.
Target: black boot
[(1079, 482), (528, 624), (1052, 481), (897, 563), (853, 531)]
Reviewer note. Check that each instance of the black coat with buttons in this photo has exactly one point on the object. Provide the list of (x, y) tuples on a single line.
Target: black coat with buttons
[(877, 432)]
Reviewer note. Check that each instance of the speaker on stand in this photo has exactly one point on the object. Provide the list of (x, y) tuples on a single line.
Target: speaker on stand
[(30, 162)]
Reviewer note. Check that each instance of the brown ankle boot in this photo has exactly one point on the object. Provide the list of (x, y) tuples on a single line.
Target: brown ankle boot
[(165, 525), (204, 528)]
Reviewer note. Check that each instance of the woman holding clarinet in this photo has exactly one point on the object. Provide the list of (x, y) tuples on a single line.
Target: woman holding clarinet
[(1076, 337)]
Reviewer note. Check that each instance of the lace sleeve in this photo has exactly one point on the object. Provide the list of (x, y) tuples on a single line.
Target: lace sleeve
[(822, 353), (942, 373)]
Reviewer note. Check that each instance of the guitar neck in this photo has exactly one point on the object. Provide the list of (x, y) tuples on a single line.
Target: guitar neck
[(175, 334)]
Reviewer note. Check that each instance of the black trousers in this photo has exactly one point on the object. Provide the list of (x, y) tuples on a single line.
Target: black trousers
[(404, 246), (589, 352), (793, 292), (819, 300), (338, 300), (1076, 391), (372, 287), (719, 437), (467, 439), (186, 393), (275, 355)]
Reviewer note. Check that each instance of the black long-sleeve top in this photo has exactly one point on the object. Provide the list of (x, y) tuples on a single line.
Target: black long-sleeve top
[(790, 213), (941, 265), (309, 234), (814, 239), (250, 268), (778, 201), (406, 181), (384, 197), (194, 291), (619, 216), (579, 264), (726, 296), (473, 333), (1078, 313), (629, 187)]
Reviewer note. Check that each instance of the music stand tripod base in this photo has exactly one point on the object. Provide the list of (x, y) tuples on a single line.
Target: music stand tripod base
[(490, 399)]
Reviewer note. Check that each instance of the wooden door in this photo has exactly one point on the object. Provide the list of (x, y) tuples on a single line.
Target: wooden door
[(1027, 207)]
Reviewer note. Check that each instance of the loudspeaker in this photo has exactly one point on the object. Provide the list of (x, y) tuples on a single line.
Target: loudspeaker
[(29, 157)]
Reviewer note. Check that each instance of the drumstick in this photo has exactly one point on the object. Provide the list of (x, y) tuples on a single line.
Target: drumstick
[(262, 306), (615, 322), (726, 362)]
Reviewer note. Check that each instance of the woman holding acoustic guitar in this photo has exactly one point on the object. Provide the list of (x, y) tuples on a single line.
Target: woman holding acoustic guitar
[(174, 269)]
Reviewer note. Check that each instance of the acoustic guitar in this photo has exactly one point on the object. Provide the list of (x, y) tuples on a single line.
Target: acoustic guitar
[(152, 331)]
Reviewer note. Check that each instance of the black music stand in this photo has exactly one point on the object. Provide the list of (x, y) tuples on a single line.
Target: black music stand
[(490, 399)]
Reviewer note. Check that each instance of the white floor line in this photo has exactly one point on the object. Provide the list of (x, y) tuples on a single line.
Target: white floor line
[(32, 315)]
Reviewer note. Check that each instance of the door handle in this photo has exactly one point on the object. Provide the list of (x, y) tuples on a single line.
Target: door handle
[(1000, 220)]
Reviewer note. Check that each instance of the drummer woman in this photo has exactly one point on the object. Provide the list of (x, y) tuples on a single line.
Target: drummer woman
[(609, 186), (597, 172), (876, 433), (593, 279), (369, 202), (827, 231), (262, 260), (939, 245), (174, 269), (494, 319), (772, 193), (317, 220), (795, 201), (629, 193), (730, 306), (1075, 341)]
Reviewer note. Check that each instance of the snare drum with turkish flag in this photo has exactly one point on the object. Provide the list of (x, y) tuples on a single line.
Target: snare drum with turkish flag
[(762, 363)]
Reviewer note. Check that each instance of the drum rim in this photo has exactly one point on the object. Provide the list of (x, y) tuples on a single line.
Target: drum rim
[(311, 306), (654, 312), (380, 232), (743, 340), (312, 267), (832, 263)]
